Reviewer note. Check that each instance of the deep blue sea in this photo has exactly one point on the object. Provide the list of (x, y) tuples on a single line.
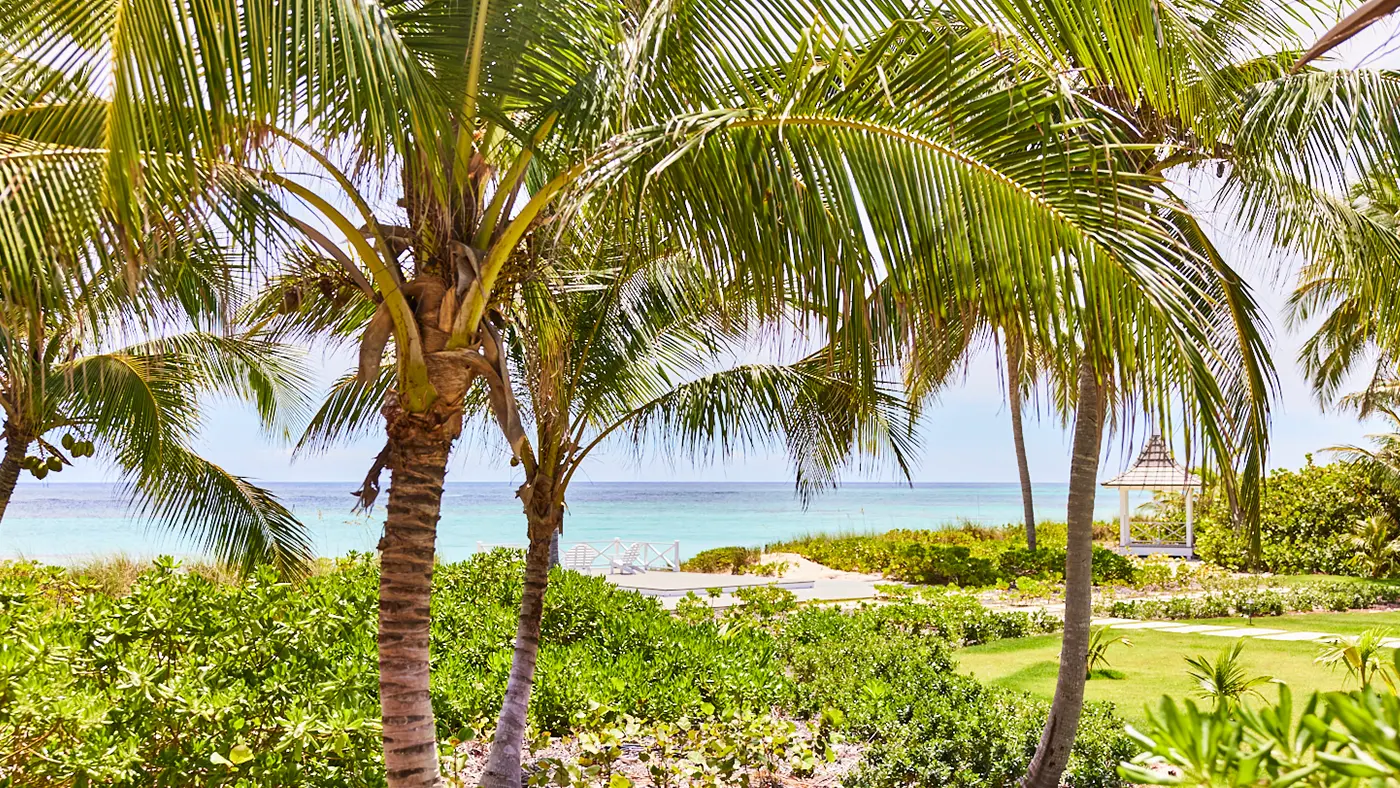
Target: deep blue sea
[(71, 520)]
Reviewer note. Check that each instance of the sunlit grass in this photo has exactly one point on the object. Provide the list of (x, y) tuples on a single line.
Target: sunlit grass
[(1155, 665)]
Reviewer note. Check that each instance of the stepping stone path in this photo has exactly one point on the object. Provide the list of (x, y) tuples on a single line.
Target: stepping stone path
[(1226, 632)]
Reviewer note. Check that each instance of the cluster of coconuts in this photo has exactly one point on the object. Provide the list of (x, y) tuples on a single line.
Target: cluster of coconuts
[(41, 466), (330, 288)]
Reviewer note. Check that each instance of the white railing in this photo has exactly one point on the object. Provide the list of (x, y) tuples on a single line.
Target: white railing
[(615, 555), (1153, 532)]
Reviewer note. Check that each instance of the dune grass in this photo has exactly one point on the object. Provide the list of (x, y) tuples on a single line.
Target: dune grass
[(1155, 665)]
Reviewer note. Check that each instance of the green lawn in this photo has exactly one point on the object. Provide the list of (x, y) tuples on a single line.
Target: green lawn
[(1154, 666)]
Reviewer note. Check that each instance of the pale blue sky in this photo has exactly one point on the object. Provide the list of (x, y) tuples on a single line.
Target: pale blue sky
[(966, 436)]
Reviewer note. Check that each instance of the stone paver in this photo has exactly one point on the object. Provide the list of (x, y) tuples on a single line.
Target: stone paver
[(1244, 632), (1299, 636), (1211, 630)]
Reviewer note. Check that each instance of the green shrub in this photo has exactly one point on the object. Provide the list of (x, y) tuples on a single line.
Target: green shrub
[(148, 688), (971, 556), (181, 680), (599, 644), (951, 616), (1112, 567), (926, 725), (723, 560), (1306, 517), (1255, 600), (1022, 562)]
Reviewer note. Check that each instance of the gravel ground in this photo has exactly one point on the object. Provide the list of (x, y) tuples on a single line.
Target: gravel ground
[(472, 761)]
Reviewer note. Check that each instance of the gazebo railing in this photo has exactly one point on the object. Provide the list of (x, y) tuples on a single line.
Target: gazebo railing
[(1157, 532)]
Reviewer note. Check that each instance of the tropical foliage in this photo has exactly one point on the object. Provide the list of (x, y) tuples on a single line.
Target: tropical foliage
[(1101, 639), (1256, 598), (138, 408), (1224, 681), (851, 162), (1376, 545), (886, 169), (1362, 656), (262, 682), (1308, 519), (73, 385), (1333, 739), (971, 556)]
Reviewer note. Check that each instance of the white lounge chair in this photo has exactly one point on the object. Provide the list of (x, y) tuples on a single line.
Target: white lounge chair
[(579, 558), (627, 563)]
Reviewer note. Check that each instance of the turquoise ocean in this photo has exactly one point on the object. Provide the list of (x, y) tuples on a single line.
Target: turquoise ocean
[(72, 520)]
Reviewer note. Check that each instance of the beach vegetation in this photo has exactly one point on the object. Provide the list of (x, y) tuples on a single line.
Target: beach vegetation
[(1308, 522), (268, 682), (971, 557), (721, 560)]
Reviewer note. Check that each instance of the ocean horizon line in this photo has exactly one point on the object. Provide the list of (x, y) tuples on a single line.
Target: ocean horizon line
[(87, 518)]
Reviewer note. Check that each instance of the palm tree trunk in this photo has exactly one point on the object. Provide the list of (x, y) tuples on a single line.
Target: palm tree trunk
[(418, 448), (16, 445), (503, 763), (419, 463), (1053, 753), (1013, 397)]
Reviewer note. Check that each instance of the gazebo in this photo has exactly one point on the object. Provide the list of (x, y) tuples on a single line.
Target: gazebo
[(1156, 470)]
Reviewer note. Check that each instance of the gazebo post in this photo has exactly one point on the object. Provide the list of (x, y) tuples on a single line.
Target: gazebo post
[(1125, 532), (1190, 522)]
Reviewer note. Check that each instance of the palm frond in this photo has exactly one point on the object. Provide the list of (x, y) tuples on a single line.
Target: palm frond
[(226, 515), (825, 423), (350, 410)]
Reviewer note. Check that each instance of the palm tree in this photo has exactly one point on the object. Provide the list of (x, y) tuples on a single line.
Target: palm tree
[(609, 335), (1362, 655), (1099, 642), (138, 408), (1015, 356), (1347, 282), (1375, 544), (855, 174), (1210, 86), (1224, 681), (68, 296)]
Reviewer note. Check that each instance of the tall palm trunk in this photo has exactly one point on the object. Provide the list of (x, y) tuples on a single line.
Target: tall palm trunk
[(503, 763), (1013, 397), (419, 445), (16, 446), (1053, 753)]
